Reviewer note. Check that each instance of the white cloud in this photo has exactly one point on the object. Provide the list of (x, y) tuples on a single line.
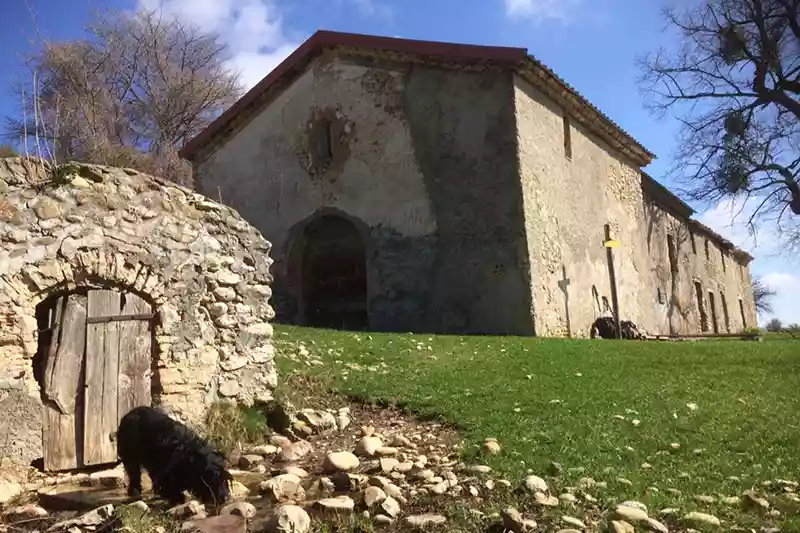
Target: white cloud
[(373, 8), (539, 10), (253, 29)]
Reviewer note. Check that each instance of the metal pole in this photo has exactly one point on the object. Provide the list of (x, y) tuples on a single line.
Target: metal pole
[(613, 279)]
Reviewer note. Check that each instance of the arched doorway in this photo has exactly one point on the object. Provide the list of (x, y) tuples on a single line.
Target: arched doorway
[(93, 365), (334, 274)]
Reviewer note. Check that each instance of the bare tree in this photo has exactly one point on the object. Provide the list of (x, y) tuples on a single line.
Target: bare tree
[(774, 325), (734, 83), (131, 93), (7, 151), (762, 295)]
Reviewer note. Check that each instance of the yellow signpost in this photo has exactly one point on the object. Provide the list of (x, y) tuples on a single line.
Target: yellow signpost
[(610, 243)]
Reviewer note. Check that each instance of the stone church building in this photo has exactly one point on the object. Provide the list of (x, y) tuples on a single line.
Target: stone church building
[(422, 186)]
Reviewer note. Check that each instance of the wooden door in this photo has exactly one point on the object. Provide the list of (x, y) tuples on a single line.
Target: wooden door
[(62, 384), (97, 369)]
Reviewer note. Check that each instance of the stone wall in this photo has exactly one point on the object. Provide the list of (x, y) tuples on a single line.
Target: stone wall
[(202, 267), (423, 160), (721, 272), (568, 200)]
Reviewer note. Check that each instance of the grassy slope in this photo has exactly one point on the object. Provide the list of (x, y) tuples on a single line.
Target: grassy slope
[(748, 395)]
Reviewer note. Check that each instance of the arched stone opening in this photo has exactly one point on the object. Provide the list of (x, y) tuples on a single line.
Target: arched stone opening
[(334, 274), (328, 272), (196, 268)]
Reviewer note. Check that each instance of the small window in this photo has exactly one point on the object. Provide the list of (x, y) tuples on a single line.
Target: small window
[(722, 256), (694, 243), (321, 144), (660, 296), (672, 254), (708, 251), (567, 138)]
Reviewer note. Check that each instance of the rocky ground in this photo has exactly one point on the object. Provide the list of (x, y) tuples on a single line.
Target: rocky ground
[(352, 467), (364, 468)]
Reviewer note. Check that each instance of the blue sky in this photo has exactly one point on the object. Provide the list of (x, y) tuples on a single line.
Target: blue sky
[(592, 44)]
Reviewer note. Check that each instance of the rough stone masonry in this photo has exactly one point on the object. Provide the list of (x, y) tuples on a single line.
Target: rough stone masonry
[(201, 266)]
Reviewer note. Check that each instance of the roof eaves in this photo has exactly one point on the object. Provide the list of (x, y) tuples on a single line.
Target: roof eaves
[(719, 239), (625, 141), (322, 39), (666, 198)]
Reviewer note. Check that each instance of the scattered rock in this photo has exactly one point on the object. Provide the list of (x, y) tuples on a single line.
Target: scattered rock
[(25, 512), (289, 519), (387, 451), (340, 462), (572, 521), (513, 521), (229, 523), (697, 518), (139, 505), (283, 488), (238, 490), (754, 500), (112, 479), (374, 496), (244, 509), (368, 446), (480, 469), (424, 520), (621, 526), (491, 446), (94, 517), (630, 514), (702, 498), (186, 510), (536, 484), (337, 504), (295, 451), (9, 490), (731, 500), (388, 464), (545, 500), (655, 526), (635, 504), (264, 450), (390, 507), (321, 421)]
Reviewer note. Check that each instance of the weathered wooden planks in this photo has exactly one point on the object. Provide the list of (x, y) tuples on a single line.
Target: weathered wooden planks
[(134, 357), (102, 374), (63, 384), (97, 368)]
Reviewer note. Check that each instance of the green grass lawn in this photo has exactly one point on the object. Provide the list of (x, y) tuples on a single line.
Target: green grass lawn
[(575, 402)]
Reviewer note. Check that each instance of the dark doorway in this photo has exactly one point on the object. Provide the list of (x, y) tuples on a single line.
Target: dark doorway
[(698, 290), (713, 305), (334, 274)]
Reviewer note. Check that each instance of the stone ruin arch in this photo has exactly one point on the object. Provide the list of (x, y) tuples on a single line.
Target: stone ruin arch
[(200, 268)]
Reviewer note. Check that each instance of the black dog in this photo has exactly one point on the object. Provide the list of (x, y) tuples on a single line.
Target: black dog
[(175, 457)]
